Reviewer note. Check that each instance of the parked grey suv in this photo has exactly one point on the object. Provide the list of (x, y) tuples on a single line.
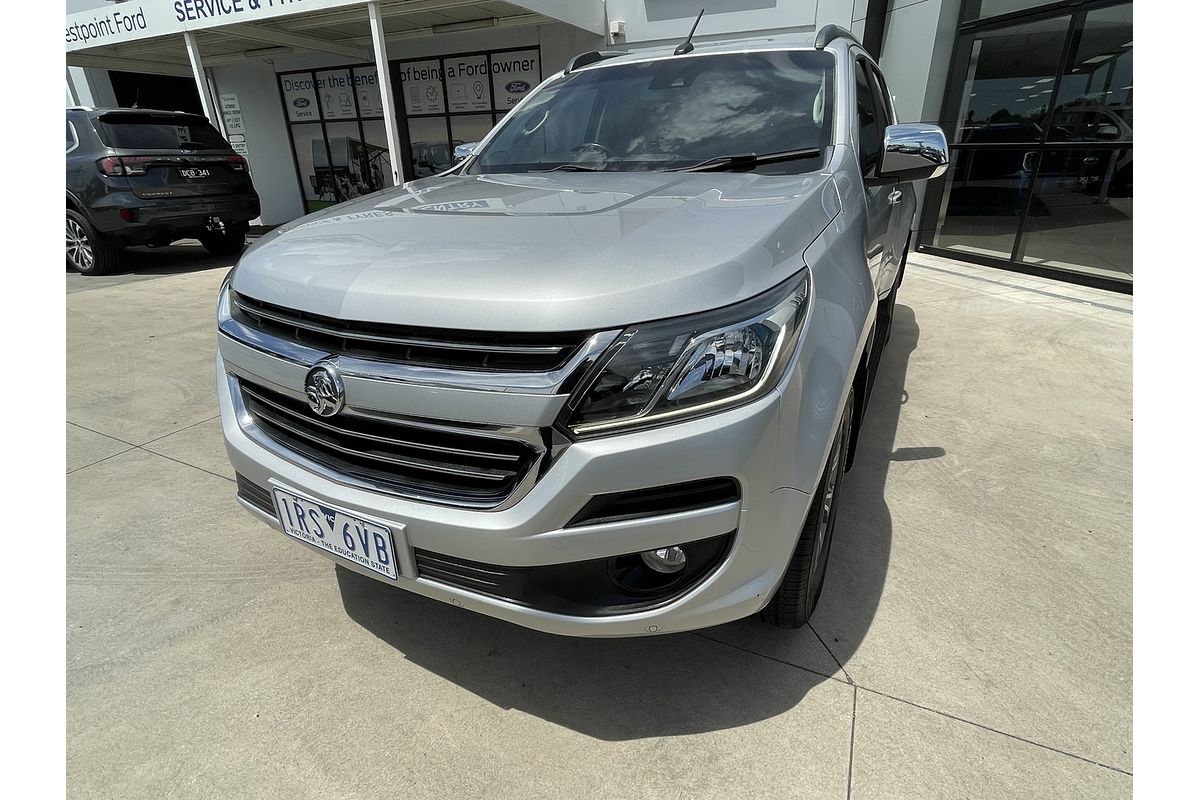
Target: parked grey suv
[(137, 176), (603, 377)]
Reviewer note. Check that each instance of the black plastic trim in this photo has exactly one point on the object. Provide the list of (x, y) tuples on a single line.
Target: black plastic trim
[(642, 503)]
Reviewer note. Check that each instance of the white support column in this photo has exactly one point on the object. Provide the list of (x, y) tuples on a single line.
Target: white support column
[(385, 90), (193, 51)]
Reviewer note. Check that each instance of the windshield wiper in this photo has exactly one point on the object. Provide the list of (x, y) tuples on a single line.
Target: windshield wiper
[(748, 161), (190, 145), (572, 168)]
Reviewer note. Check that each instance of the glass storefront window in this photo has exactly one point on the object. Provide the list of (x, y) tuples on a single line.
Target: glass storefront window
[(336, 94), (308, 142), (378, 159), (982, 209), (1039, 112), (469, 129), (1009, 78), (1095, 99), (981, 9), (431, 152), (1081, 214)]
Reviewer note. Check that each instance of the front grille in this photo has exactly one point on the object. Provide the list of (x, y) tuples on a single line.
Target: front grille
[(408, 457), (430, 347)]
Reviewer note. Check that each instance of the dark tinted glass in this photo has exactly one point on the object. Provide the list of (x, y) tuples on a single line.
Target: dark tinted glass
[(987, 191), (1081, 213), (672, 113), (1095, 98), (978, 9), (870, 130), (158, 132), (1008, 78)]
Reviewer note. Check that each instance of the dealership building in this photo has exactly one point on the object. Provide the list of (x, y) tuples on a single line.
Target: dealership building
[(330, 99)]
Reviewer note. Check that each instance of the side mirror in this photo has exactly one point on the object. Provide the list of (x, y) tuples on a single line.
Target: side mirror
[(1107, 132), (464, 151), (913, 152)]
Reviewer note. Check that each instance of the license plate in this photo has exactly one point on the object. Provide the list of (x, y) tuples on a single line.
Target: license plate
[(342, 533), (194, 172)]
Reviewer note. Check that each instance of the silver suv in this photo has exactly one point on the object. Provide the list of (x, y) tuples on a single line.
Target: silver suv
[(604, 376)]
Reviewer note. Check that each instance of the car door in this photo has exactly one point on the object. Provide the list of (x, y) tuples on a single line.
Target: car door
[(871, 120), (901, 197)]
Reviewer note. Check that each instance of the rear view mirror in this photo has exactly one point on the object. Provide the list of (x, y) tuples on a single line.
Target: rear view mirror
[(1107, 132), (913, 152)]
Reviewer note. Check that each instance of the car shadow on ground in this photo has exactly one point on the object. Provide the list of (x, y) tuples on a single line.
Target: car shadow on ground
[(621, 689)]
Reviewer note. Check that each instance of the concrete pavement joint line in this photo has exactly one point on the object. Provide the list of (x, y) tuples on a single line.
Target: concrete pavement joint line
[(853, 720), (181, 430), (997, 730), (836, 660), (186, 464), (1021, 288), (101, 460), (101, 433), (772, 658), (918, 705)]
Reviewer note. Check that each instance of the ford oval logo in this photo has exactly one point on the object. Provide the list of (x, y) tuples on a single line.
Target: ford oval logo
[(516, 87), (301, 102)]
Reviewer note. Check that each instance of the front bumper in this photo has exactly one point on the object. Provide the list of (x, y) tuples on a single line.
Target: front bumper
[(742, 443)]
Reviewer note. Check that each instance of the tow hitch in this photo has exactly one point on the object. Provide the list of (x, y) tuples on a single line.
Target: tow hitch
[(215, 224)]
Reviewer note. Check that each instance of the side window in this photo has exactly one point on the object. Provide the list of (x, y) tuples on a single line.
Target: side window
[(870, 121), (71, 141)]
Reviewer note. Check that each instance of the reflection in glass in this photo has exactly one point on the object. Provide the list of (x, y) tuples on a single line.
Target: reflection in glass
[(1095, 99), (310, 151), (1009, 78), (1081, 214), (379, 163), (665, 114), (431, 151), (988, 189), (346, 168)]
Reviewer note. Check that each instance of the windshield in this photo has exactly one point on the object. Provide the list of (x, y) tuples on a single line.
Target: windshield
[(671, 113)]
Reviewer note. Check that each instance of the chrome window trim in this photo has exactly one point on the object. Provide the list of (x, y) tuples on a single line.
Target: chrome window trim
[(74, 137)]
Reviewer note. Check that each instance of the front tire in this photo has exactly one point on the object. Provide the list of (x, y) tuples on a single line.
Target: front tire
[(796, 598), (229, 243), (89, 253)]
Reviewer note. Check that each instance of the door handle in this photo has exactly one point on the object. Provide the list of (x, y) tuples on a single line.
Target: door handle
[(894, 197)]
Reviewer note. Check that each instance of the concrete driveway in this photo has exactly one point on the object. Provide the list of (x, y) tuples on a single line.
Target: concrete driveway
[(974, 638)]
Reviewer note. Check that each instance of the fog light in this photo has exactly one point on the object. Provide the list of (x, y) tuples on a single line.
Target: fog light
[(666, 560)]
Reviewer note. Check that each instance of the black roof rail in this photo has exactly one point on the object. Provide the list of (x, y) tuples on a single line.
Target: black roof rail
[(831, 32), (591, 57)]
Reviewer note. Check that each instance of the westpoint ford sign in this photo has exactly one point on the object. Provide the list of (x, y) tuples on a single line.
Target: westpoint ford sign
[(124, 22)]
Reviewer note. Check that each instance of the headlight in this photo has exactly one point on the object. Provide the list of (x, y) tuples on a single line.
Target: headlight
[(689, 366)]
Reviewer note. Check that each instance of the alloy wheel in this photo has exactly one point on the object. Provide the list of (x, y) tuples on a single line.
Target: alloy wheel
[(79, 248)]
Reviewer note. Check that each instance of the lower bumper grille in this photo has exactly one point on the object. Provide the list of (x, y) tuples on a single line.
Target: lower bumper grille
[(421, 460), (255, 495)]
